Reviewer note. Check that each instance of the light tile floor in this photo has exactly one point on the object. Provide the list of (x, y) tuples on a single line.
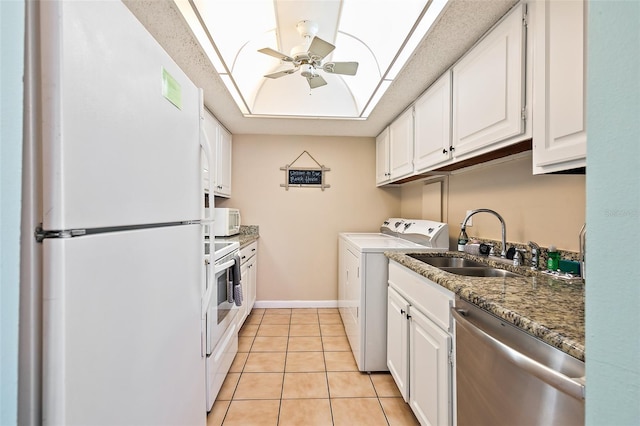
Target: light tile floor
[(295, 367)]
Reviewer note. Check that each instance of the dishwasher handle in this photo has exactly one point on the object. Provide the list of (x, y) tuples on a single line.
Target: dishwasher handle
[(573, 387)]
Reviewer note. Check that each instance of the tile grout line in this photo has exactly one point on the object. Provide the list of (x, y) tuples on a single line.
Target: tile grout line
[(287, 352), (284, 369)]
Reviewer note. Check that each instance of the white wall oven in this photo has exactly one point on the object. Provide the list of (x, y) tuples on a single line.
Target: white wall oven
[(221, 334)]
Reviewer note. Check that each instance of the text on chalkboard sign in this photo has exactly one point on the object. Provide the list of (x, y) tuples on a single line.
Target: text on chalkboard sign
[(305, 177)]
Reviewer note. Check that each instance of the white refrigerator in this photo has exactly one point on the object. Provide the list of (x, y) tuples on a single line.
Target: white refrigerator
[(121, 209)]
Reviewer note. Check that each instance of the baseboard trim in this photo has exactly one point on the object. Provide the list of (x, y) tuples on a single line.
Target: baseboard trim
[(296, 304)]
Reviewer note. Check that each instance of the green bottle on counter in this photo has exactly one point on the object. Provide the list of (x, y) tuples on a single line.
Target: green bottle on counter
[(553, 259)]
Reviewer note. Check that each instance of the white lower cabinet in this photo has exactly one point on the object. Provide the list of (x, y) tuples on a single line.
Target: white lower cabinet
[(429, 370), (420, 344), (397, 341), (248, 273)]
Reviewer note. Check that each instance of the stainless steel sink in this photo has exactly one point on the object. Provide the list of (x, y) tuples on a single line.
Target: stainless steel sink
[(460, 266), (446, 262), (485, 271)]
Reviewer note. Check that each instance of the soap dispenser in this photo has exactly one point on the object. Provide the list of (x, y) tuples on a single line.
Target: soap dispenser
[(553, 258)]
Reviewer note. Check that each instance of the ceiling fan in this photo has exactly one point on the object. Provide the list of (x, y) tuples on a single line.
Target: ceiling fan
[(308, 57)]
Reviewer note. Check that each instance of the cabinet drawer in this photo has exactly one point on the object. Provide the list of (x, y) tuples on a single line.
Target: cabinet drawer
[(248, 251), (429, 297)]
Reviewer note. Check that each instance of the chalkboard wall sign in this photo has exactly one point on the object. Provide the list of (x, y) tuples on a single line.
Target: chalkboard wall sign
[(305, 177)]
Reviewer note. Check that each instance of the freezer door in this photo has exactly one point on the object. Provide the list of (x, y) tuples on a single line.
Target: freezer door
[(121, 125), (122, 330)]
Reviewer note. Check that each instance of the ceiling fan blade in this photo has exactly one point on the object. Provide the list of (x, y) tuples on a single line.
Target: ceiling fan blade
[(281, 73), (316, 81), (319, 48), (276, 54), (346, 68)]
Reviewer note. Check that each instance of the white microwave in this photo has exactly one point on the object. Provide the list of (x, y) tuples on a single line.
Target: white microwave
[(226, 222)]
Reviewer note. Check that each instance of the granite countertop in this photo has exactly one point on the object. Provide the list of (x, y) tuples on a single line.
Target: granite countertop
[(247, 235), (547, 308)]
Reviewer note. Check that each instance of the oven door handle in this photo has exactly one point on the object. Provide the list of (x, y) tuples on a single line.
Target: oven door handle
[(225, 265)]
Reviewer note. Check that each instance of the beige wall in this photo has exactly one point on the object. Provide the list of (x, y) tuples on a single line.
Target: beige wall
[(299, 228), (298, 245), (548, 209)]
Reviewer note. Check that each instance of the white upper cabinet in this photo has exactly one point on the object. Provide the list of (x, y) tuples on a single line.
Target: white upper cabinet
[(401, 145), (433, 125), (220, 144), (223, 163), (560, 130), (383, 172), (489, 88)]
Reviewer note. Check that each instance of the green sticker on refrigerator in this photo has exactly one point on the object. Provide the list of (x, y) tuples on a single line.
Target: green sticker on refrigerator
[(171, 89)]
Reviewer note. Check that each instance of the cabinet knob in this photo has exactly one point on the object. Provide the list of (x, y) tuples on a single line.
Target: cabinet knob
[(452, 148), (444, 151), (402, 311)]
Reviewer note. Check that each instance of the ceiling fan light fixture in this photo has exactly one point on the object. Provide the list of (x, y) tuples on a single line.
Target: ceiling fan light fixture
[(308, 70), (308, 57)]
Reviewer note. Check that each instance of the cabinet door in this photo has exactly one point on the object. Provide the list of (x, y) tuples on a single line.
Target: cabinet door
[(397, 340), (432, 119), (223, 163), (401, 145), (383, 173), (488, 88), (560, 131), (429, 371), (208, 160), (252, 272)]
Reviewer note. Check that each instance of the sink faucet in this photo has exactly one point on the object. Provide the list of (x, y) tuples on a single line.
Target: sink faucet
[(503, 253), (535, 254)]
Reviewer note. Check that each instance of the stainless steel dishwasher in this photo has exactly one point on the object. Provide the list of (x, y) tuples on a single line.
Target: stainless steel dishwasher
[(505, 376)]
